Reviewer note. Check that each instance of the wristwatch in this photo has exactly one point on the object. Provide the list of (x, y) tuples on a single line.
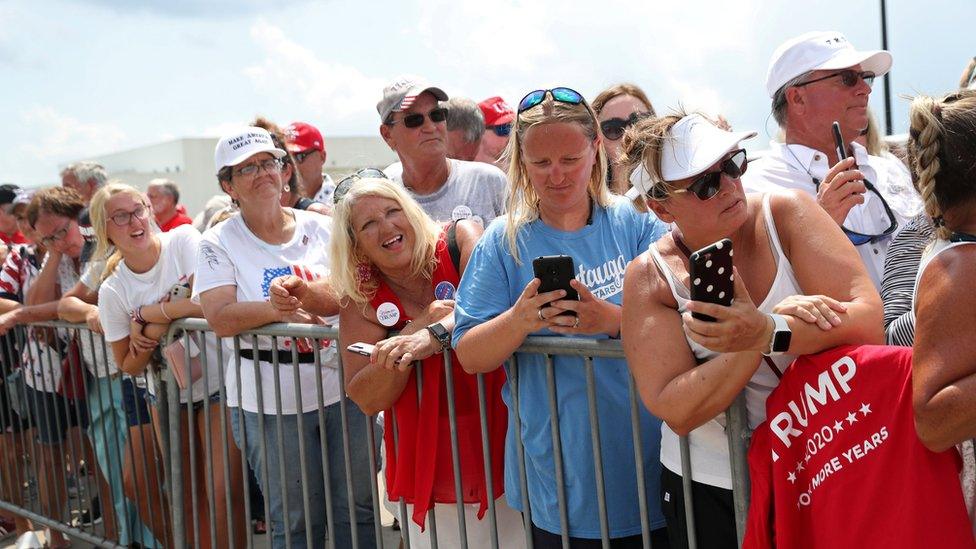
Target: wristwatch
[(779, 342), (441, 334)]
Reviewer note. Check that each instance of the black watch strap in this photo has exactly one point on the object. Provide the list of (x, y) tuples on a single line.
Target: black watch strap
[(441, 334)]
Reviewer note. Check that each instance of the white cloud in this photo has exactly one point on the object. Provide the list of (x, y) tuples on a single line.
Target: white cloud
[(53, 135), (294, 73)]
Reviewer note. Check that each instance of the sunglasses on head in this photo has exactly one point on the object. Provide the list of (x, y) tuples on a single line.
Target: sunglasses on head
[(415, 120), (707, 185), (501, 130), (561, 94), (848, 78), (342, 188), (613, 129)]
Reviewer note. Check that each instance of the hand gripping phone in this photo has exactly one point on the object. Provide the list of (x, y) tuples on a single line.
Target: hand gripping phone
[(711, 276), (556, 272), (364, 349)]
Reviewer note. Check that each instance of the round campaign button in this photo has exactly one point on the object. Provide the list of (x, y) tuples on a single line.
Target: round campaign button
[(444, 290), (388, 314)]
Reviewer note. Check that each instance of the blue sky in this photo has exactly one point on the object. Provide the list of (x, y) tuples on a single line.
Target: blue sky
[(88, 77)]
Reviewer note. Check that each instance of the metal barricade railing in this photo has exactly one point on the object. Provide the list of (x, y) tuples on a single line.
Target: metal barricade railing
[(185, 473)]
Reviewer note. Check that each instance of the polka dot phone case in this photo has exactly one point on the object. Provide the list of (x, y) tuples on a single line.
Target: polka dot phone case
[(711, 276)]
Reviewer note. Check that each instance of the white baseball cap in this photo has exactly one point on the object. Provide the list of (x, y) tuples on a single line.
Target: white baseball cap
[(402, 92), (820, 50), (236, 147), (693, 145)]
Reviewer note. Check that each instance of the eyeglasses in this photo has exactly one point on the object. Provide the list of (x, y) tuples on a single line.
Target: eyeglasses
[(859, 239), (57, 236), (415, 120), (848, 78), (561, 94), (270, 165), (501, 130), (613, 129), (123, 218), (707, 185), (347, 182), (300, 157)]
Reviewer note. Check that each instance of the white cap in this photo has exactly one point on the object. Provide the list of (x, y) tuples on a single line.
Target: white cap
[(820, 50), (236, 147), (402, 92), (692, 146)]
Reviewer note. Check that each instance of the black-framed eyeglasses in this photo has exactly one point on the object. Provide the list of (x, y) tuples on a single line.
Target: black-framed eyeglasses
[(561, 94), (848, 77), (613, 128), (860, 239), (301, 156), (707, 185), (270, 165), (122, 219), (56, 236), (501, 130), (346, 183), (415, 120)]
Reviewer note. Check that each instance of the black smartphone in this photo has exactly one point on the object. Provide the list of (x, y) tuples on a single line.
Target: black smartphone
[(555, 272), (841, 149), (711, 276)]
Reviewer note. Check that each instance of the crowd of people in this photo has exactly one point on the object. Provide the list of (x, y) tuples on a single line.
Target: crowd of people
[(427, 268)]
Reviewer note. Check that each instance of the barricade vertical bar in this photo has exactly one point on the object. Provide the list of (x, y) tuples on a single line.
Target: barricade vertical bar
[(738, 434), (120, 433), (137, 537), (373, 485), (63, 401), (601, 498), (350, 497), (431, 520), (245, 466), (26, 447), (107, 504), (280, 432), (224, 410), (686, 488), (160, 510), (455, 452), (513, 369), (83, 489), (404, 517), (36, 455), (190, 428), (324, 445), (306, 498), (15, 478), (207, 441), (557, 449), (639, 463), (177, 502), (262, 440), (49, 448), (486, 456)]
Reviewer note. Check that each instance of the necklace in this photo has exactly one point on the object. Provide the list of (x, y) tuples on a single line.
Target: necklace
[(816, 181)]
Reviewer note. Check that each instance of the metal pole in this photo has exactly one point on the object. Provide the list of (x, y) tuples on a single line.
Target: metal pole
[(887, 77)]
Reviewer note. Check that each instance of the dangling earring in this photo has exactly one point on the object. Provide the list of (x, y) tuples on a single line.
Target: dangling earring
[(364, 272)]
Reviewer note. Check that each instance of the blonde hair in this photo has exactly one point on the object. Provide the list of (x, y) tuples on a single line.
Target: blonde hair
[(617, 90), (641, 147), (523, 202), (942, 153), (104, 247), (353, 276), (873, 142)]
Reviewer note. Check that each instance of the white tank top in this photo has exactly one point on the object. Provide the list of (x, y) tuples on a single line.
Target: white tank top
[(709, 443)]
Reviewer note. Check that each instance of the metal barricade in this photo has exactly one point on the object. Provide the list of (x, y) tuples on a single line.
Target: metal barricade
[(185, 471)]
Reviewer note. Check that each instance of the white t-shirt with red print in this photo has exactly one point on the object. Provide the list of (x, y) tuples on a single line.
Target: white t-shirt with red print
[(231, 255), (838, 462)]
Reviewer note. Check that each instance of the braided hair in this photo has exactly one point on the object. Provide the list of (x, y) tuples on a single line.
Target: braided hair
[(942, 153)]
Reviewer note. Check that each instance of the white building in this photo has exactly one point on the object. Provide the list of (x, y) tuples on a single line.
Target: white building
[(189, 162)]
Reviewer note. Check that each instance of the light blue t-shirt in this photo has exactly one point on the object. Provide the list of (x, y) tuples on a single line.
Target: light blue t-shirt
[(491, 284)]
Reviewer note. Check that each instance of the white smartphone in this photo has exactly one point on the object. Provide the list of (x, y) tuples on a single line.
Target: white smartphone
[(364, 349)]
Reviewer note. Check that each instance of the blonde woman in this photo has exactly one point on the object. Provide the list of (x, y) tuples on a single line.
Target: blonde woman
[(559, 204), (146, 285)]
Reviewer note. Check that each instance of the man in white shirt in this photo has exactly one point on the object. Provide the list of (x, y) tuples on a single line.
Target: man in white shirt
[(814, 80)]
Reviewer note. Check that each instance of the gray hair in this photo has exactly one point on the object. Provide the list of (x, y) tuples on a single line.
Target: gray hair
[(464, 114), (169, 187), (779, 98), (86, 171)]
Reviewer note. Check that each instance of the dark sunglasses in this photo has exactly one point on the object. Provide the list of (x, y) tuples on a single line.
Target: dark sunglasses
[(613, 129), (859, 239), (707, 185), (561, 94), (415, 120), (848, 78), (501, 130), (346, 183), (300, 157)]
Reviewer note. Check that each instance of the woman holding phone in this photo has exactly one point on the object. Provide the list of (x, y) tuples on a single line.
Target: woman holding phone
[(687, 169), (559, 205)]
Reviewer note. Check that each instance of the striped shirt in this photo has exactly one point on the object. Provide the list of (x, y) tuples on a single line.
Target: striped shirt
[(898, 283)]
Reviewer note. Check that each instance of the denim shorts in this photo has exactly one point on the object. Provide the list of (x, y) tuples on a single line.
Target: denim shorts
[(53, 415), (134, 402)]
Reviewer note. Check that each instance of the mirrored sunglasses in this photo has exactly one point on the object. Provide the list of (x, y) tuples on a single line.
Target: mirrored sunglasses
[(561, 94)]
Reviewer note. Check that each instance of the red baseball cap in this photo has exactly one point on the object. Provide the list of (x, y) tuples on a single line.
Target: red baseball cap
[(496, 111), (300, 137)]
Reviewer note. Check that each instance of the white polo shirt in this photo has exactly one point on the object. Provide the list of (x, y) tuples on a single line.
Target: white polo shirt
[(794, 167)]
